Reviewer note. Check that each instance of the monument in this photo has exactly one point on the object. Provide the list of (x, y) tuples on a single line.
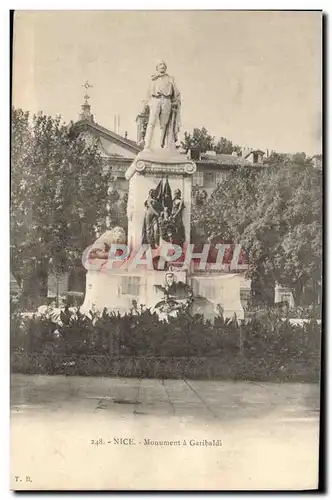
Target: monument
[(158, 211)]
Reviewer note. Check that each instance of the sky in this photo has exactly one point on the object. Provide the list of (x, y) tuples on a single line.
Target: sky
[(253, 77)]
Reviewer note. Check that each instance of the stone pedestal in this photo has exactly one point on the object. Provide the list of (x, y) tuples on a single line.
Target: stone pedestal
[(117, 289), (147, 170)]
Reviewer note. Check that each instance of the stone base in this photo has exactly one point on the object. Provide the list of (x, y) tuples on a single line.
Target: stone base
[(116, 290)]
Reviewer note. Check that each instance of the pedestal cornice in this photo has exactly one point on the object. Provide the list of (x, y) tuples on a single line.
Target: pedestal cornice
[(155, 162)]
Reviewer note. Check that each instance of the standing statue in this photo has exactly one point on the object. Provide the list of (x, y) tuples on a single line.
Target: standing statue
[(171, 223), (163, 102), (151, 231), (177, 209)]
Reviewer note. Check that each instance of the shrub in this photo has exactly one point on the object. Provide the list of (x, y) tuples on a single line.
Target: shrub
[(265, 345)]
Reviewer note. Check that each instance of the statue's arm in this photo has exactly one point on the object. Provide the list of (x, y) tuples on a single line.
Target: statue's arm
[(147, 97), (176, 93)]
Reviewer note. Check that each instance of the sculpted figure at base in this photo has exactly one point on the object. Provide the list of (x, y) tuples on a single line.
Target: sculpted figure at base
[(172, 228), (178, 296), (163, 220), (178, 206), (163, 103), (150, 232), (102, 245)]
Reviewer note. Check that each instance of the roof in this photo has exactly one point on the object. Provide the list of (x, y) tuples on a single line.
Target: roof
[(109, 133), (227, 160), (223, 159)]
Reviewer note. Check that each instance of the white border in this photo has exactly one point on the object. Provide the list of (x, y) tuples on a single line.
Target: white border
[(4, 248), (167, 5), (4, 137)]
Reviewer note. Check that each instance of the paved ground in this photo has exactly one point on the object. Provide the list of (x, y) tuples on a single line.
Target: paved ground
[(265, 435)]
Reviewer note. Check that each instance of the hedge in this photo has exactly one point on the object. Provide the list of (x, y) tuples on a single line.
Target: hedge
[(138, 344)]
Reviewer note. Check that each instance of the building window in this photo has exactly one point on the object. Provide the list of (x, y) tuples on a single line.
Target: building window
[(130, 285), (209, 179), (221, 177), (255, 157), (198, 179), (200, 196)]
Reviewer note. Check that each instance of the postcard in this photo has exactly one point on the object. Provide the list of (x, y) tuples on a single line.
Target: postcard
[(166, 250)]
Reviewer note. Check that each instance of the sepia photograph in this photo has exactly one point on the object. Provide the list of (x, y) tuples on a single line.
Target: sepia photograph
[(166, 235)]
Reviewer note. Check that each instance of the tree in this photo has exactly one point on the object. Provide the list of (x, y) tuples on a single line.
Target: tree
[(275, 214), (300, 267), (200, 139), (117, 205), (224, 146), (300, 158), (59, 193)]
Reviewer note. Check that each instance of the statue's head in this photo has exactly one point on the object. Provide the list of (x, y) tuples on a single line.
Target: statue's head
[(152, 193), (177, 193), (161, 67)]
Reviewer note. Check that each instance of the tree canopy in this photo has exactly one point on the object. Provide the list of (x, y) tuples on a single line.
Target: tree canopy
[(59, 193), (275, 214), (201, 140)]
